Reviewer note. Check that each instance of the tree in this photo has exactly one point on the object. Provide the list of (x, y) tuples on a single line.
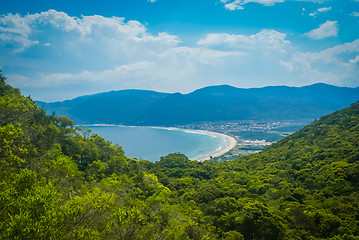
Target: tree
[(2, 78)]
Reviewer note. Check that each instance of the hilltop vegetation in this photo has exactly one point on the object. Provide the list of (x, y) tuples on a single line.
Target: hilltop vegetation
[(62, 182), (303, 187), (216, 103), (58, 182)]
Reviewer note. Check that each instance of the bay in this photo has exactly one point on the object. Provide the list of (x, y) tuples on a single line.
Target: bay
[(151, 143)]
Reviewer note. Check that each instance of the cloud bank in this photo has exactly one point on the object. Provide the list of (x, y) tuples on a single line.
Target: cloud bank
[(54, 56)]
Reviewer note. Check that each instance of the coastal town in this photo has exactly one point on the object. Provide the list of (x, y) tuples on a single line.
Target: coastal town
[(251, 136)]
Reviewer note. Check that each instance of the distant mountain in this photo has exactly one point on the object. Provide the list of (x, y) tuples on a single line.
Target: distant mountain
[(110, 107), (142, 107)]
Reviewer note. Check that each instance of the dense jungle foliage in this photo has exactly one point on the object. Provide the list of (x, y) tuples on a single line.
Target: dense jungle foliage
[(62, 182)]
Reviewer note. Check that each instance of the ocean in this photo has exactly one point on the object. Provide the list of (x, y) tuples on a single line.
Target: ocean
[(149, 143)]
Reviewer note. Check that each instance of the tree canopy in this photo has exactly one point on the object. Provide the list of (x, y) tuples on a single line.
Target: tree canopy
[(59, 181)]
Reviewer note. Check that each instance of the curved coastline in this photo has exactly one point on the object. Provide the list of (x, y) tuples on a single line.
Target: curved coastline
[(230, 141)]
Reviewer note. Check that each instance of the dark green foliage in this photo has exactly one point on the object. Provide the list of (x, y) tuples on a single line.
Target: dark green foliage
[(303, 187), (58, 182), (259, 135), (61, 182)]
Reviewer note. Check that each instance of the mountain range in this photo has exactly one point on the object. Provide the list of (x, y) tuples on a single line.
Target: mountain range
[(213, 103)]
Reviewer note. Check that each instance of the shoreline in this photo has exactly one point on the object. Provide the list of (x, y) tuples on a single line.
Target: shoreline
[(230, 141)]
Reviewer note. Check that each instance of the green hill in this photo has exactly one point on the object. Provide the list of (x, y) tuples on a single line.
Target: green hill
[(62, 182), (303, 187)]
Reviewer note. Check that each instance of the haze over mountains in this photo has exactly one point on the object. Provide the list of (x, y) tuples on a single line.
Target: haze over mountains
[(214, 103)]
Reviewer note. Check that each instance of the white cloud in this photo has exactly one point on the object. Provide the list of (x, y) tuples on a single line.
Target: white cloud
[(354, 61), (324, 9), (320, 10), (194, 56), (14, 28), (332, 65), (233, 6), (355, 14), (327, 29), (89, 77), (238, 4), (287, 65), (266, 40), (303, 11), (68, 45)]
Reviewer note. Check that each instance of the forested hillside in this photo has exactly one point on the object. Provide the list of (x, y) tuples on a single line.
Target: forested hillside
[(58, 182), (62, 182), (303, 187)]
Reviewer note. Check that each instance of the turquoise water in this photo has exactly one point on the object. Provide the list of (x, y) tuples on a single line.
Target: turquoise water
[(152, 143)]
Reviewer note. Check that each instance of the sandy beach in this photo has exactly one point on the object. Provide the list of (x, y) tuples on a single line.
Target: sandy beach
[(231, 143)]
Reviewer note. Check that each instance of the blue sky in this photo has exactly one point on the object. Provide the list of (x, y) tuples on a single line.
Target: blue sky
[(57, 50)]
